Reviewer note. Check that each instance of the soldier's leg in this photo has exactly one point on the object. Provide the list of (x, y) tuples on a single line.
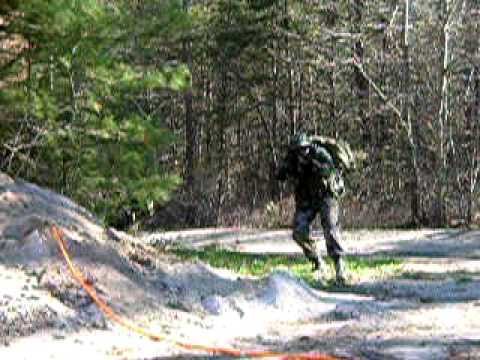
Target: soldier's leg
[(329, 215), (301, 235)]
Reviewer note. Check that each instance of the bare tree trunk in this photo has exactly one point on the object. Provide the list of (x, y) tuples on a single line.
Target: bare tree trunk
[(191, 143), (190, 128), (274, 186), (443, 117), (472, 113), (292, 113), (412, 125), (475, 166), (333, 73), (362, 86), (220, 145)]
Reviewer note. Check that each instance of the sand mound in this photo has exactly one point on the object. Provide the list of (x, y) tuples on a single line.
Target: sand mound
[(139, 282)]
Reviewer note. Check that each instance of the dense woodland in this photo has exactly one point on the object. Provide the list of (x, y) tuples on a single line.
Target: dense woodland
[(180, 111)]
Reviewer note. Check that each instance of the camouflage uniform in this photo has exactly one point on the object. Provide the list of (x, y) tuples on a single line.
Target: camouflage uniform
[(318, 185)]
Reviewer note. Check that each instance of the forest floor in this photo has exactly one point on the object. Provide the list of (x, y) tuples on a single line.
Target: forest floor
[(428, 310)]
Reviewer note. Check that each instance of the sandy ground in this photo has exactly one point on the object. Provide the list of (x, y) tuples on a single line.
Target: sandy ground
[(429, 311)]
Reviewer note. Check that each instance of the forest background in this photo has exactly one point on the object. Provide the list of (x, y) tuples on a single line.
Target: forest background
[(174, 114)]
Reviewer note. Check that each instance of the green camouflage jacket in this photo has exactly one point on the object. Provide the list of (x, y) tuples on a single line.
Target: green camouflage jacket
[(313, 173)]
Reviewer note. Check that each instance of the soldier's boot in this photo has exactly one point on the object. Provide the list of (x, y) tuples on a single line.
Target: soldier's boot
[(320, 270), (339, 271)]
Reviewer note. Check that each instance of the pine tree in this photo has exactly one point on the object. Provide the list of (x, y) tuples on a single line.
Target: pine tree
[(77, 121)]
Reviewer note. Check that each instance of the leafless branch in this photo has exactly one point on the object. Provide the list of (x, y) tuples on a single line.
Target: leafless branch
[(392, 20), (377, 89)]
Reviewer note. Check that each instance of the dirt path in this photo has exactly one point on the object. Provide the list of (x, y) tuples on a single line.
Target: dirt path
[(428, 242), (432, 311)]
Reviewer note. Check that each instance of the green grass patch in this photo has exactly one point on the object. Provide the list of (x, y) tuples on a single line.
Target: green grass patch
[(357, 268)]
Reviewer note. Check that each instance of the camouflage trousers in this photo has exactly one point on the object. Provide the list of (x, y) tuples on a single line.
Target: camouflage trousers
[(328, 208)]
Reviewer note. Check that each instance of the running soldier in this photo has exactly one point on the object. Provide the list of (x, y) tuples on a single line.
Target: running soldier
[(315, 164)]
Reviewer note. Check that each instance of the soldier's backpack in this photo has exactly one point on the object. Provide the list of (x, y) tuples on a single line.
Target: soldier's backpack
[(340, 151)]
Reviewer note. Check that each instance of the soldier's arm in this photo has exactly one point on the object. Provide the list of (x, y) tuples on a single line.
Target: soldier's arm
[(323, 161)]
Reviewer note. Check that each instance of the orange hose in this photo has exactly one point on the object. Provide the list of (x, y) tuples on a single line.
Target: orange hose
[(110, 314)]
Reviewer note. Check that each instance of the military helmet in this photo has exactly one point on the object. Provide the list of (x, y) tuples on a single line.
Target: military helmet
[(300, 140)]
